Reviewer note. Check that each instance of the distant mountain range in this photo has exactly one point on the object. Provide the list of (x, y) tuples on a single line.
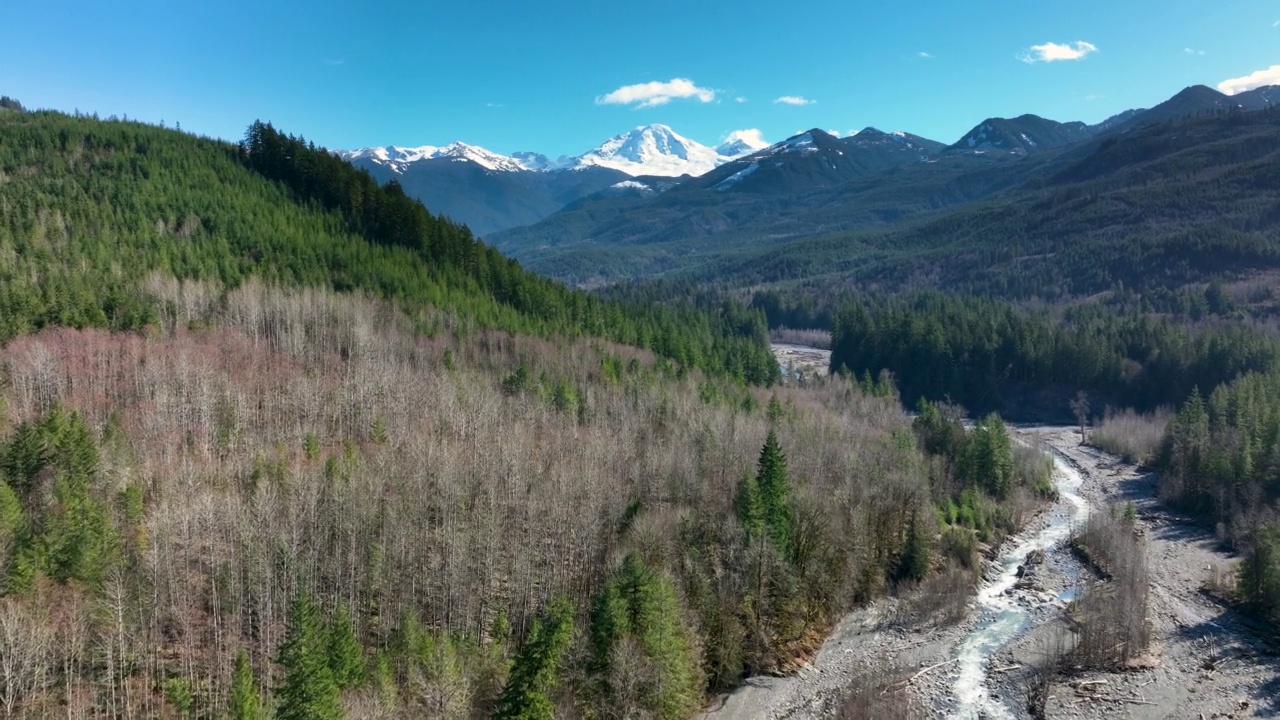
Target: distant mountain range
[(651, 186), (491, 192), (815, 185)]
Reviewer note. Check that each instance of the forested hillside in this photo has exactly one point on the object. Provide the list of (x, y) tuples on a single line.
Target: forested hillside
[(277, 442), (90, 208), (1166, 205), (377, 518)]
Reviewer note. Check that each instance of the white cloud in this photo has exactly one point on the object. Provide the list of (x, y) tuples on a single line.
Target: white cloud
[(652, 94), (1189, 51), (335, 62), (925, 55), (794, 100), (493, 105), (739, 99), (1261, 78), (1050, 52), (750, 136), (1093, 97)]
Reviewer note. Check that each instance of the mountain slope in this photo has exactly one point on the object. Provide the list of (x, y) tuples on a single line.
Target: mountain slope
[(1154, 208), (814, 160), (490, 192), (816, 187), (1021, 135), (316, 389), (488, 200), (1194, 101), (97, 207)]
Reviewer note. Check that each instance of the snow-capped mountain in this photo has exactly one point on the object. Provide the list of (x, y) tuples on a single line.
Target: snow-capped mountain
[(815, 159), (489, 191), (646, 150), (538, 161), (659, 150), (399, 158), (742, 142)]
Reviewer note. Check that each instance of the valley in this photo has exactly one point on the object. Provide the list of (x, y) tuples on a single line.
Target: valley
[(1206, 660), (653, 431)]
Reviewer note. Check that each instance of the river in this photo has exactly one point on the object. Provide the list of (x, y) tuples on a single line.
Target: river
[(1001, 617), (1001, 613)]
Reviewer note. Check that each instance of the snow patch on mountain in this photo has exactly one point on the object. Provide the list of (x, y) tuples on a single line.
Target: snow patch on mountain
[(798, 143), (646, 150), (398, 158), (737, 177)]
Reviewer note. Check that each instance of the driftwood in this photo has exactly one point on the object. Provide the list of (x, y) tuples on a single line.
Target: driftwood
[(907, 682), (1118, 700)]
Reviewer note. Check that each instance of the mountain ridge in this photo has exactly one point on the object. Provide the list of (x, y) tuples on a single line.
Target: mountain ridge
[(754, 206)]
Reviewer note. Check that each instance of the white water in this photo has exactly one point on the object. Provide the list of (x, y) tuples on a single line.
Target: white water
[(1001, 617)]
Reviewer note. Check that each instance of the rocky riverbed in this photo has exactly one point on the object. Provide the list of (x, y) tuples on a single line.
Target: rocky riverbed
[(1208, 660)]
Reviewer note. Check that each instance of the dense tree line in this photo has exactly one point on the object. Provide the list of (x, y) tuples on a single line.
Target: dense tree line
[(91, 208), (1221, 460), (978, 352)]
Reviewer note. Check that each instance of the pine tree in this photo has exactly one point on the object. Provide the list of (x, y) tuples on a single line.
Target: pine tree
[(12, 523), (640, 605), (775, 410), (526, 695), (915, 560), (1260, 573), (989, 457), (309, 691), (244, 703), (748, 505), (346, 657), (775, 492)]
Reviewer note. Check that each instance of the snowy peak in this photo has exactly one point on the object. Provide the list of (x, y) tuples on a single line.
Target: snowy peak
[(646, 150), (658, 150), (652, 150), (539, 162), (398, 158), (814, 140), (463, 152), (742, 142)]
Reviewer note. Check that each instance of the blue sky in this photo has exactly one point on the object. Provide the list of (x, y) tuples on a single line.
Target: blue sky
[(518, 75)]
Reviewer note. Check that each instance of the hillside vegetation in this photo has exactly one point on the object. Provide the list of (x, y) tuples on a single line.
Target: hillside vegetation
[(1153, 208), (89, 208), (302, 477), (277, 442)]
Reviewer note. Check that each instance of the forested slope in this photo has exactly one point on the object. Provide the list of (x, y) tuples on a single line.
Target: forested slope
[(275, 441), (89, 208), (304, 477), (1166, 205)]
